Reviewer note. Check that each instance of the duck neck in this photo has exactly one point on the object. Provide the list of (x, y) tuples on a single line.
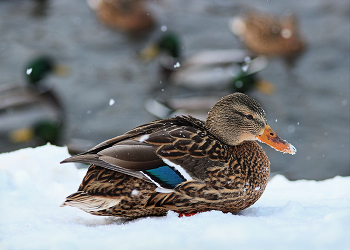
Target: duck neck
[(253, 169), (253, 162), (223, 134)]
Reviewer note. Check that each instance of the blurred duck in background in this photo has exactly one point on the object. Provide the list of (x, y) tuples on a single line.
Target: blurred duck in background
[(33, 114), (206, 70), (130, 16), (191, 85), (265, 34), (35, 89), (196, 105)]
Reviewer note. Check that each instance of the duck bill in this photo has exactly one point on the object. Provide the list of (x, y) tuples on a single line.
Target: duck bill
[(149, 53), (273, 140), (21, 135), (61, 70)]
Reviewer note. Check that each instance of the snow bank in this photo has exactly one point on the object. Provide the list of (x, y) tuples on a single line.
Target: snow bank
[(290, 215)]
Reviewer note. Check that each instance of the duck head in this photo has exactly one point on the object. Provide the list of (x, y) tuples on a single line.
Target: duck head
[(168, 44), (40, 67), (237, 118), (43, 132)]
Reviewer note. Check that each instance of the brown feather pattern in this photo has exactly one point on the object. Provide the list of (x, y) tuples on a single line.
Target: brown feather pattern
[(223, 177)]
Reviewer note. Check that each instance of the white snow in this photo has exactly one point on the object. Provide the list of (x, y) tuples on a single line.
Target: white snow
[(29, 71), (144, 138), (177, 65), (290, 215), (111, 102)]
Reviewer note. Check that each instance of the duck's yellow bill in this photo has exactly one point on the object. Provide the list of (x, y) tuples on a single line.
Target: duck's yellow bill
[(61, 70), (272, 139), (21, 135), (149, 53)]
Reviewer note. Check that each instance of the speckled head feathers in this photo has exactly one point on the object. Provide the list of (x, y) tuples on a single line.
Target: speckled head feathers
[(236, 118)]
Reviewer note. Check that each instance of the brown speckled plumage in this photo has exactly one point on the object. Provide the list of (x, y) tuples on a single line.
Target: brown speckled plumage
[(218, 176), (231, 184), (124, 15), (265, 34)]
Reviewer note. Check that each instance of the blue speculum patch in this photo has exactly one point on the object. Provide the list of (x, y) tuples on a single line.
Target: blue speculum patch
[(165, 176)]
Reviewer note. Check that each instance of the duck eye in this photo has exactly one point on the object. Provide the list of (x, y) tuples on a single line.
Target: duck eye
[(249, 117)]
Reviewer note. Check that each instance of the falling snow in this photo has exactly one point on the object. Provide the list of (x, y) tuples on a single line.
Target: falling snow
[(177, 65), (135, 192), (245, 67), (29, 71), (144, 138), (111, 102)]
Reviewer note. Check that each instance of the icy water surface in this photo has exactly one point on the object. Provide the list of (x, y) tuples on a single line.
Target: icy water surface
[(105, 92)]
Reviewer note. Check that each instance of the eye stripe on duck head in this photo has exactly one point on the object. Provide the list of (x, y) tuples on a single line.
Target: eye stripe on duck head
[(249, 115)]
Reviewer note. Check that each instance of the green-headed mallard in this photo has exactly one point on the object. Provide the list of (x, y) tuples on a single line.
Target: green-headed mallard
[(181, 164), (232, 69), (265, 34), (33, 115), (39, 133), (36, 89), (124, 15)]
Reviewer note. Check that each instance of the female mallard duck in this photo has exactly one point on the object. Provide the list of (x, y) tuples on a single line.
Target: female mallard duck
[(264, 34), (181, 164), (124, 15), (211, 69)]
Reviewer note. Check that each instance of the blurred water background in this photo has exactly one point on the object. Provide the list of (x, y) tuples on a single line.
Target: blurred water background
[(107, 85)]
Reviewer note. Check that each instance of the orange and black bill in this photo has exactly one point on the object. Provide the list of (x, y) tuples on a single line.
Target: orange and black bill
[(272, 139)]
